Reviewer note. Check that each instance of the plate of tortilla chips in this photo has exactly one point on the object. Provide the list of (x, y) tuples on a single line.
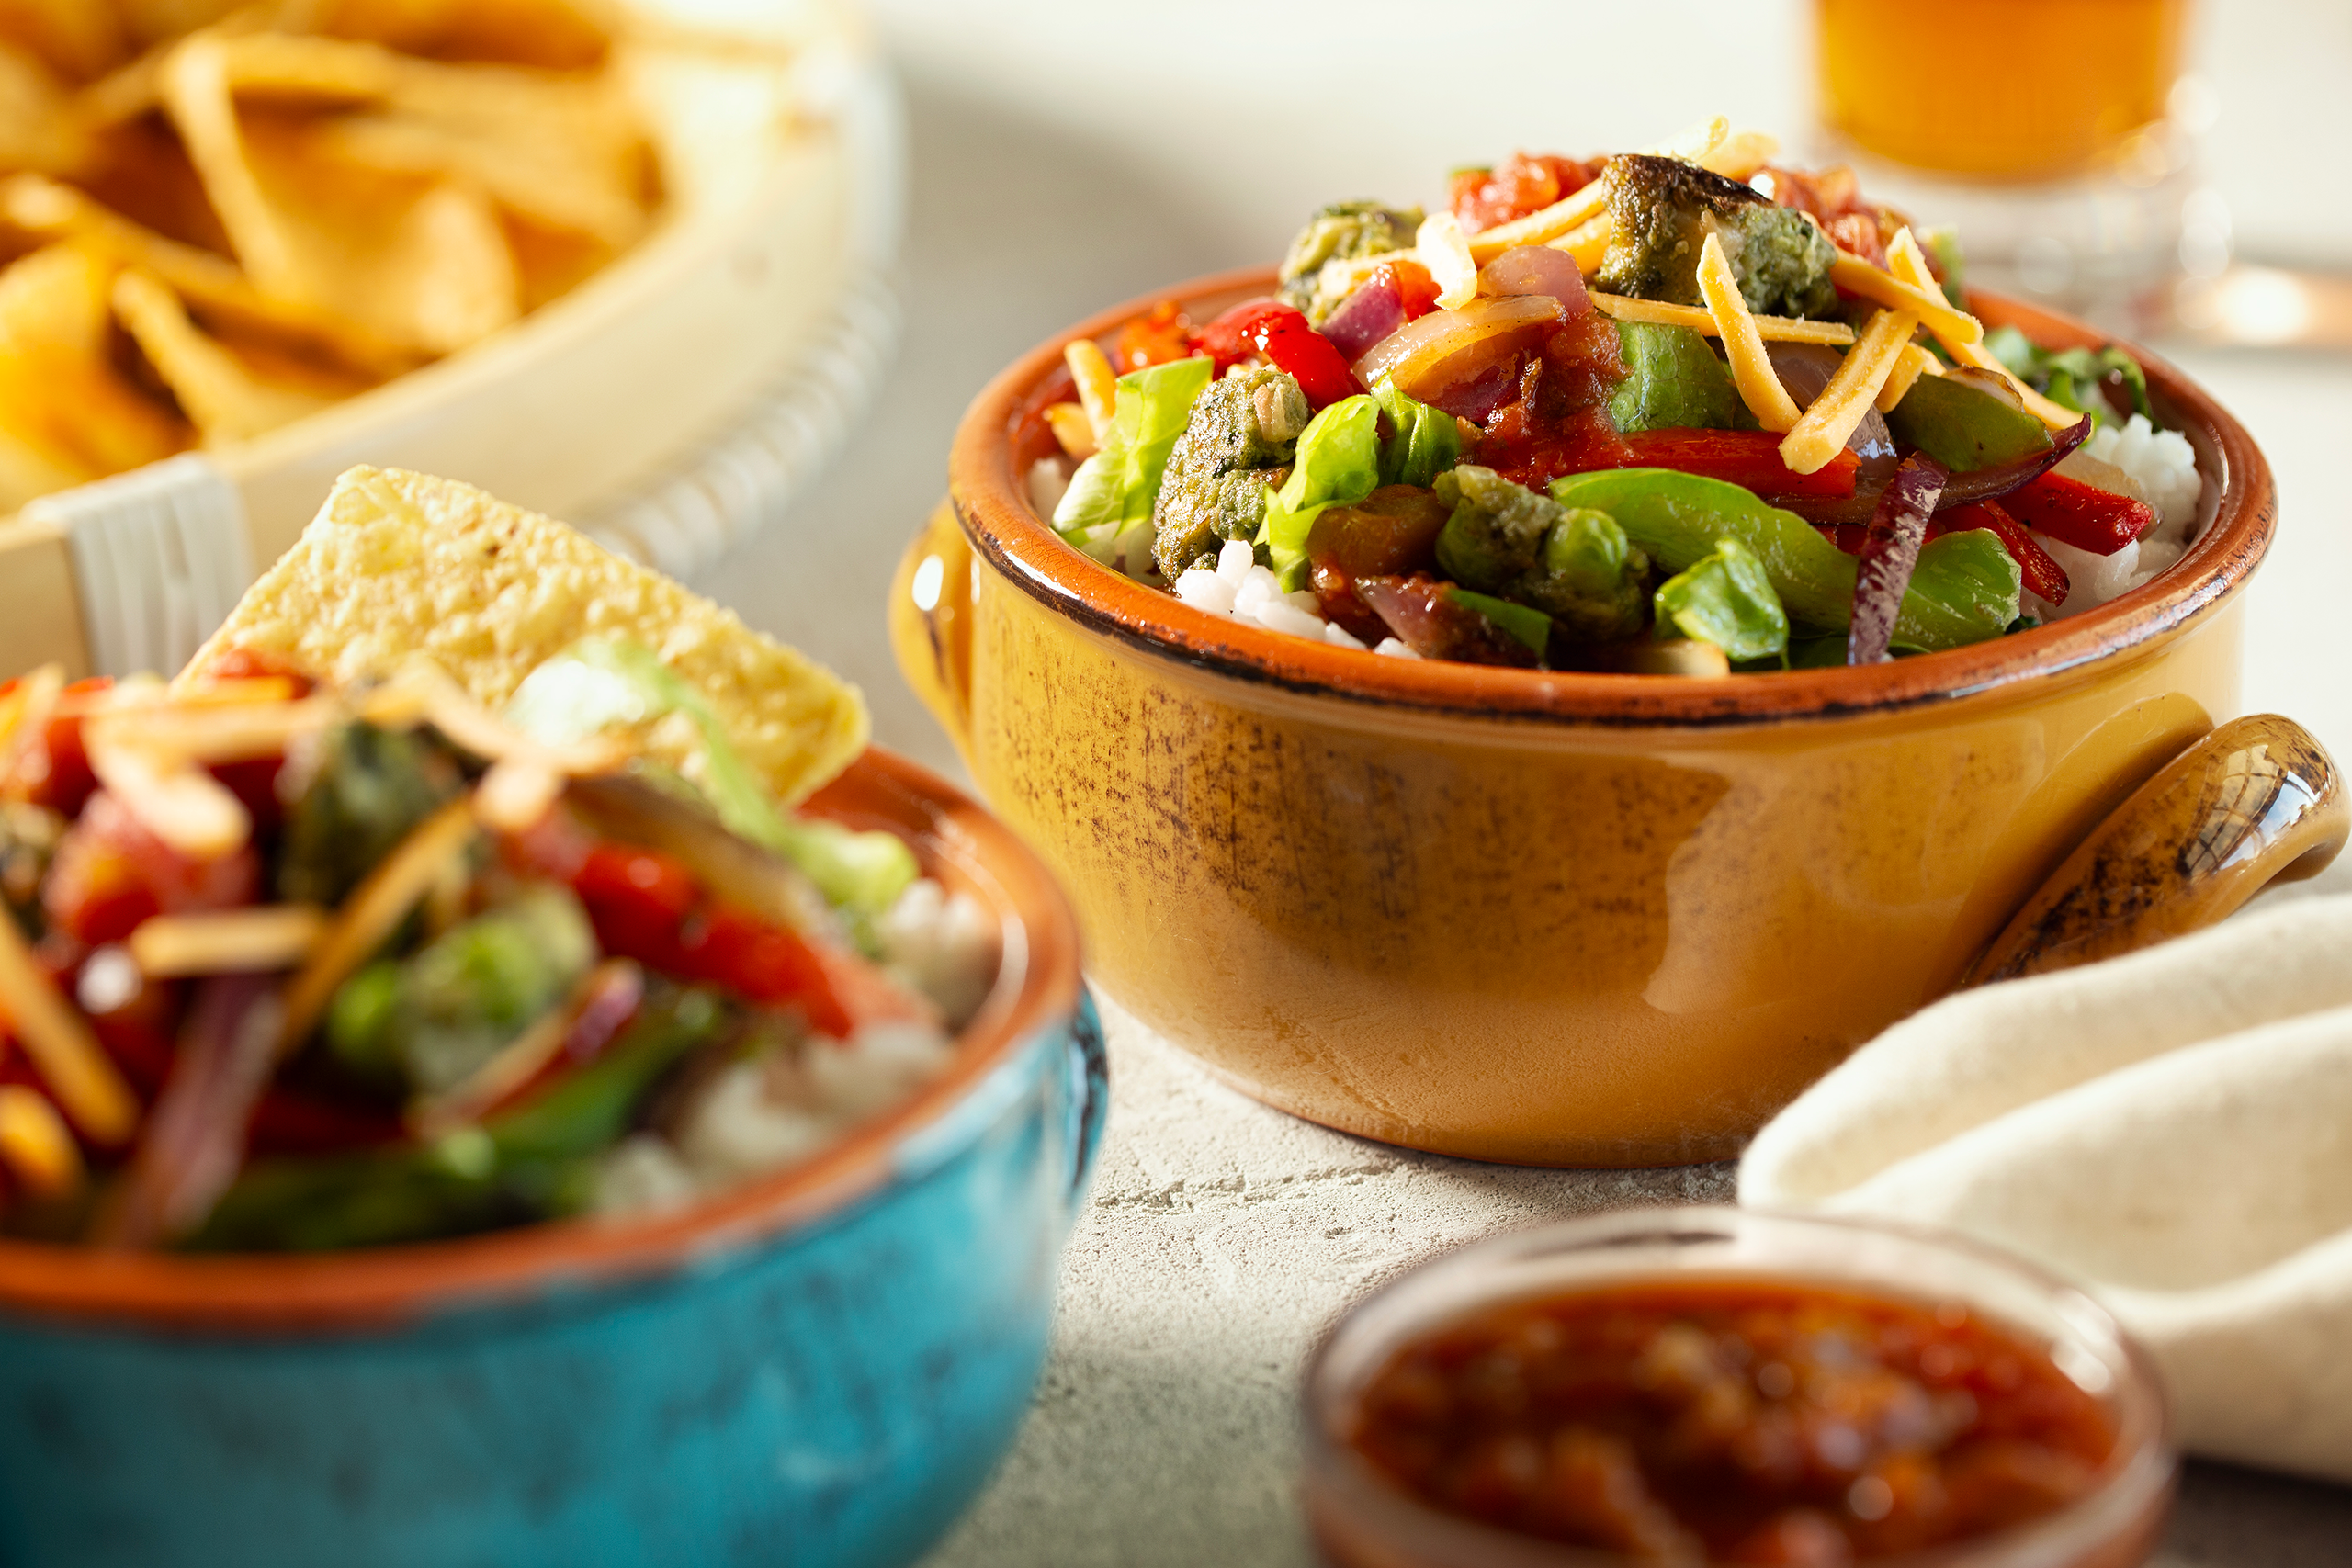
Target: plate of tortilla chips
[(553, 247)]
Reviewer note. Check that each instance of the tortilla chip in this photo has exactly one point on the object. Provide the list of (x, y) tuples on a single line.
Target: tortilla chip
[(37, 127), (551, 263), (399, 564), (78, 39), (211, 283), (139, 170), (153, 21), (423, 263), (67, 416), (535, 166), (227, 395), (554, 35)]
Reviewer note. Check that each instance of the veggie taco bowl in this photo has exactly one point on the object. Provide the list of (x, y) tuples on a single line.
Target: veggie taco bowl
[(1584, 918), (568, 1228)]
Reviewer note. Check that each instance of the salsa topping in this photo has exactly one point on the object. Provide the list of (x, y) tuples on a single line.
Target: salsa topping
[(1722, 1421)]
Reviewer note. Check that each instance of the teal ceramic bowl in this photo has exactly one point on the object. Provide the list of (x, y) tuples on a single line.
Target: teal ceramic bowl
[(822, 1367)]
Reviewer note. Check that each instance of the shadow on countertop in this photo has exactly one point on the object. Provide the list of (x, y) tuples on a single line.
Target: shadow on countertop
[(2229, 1517)]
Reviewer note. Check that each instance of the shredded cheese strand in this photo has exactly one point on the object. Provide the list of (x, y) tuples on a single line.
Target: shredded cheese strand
[(59, 1039), (370, 915), (1543, 227), (1952, 327), (1911, 264), (240, 732), (192, 812), (34, 1143), (1587, 244), (1909, 366), (1822, 434), (1098, 386), (1771, 329), (1751, 367), (247, 941), (1073, 430)]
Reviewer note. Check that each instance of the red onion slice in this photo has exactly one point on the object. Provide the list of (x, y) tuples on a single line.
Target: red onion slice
[(195, 1138), (1977, 484), (1889, 556), (1525, 270), (1449, 356), (1374, 311)]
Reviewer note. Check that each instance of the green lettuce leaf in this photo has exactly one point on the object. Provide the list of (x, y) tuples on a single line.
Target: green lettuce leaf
[(1726, 598), (2060, 374), (1338, 465), (600, 683), (1115, 487), (1428, 442)]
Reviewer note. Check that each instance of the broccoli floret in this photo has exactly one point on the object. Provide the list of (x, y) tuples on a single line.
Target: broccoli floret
[(350, 798), (1342, 231), (1664, 210), (1574, 564), (1238, 443)]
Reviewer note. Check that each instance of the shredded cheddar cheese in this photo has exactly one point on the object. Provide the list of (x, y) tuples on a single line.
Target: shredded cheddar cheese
[(1751, 367), (40, 1153), (1771, 329), (246, 942), (1098, 387), (371, 914), (1822, 433), (1073, 430), (178, 802), (1910, 264), (1909, 366), (63, 1049), (1858, 276), (1588, 243)]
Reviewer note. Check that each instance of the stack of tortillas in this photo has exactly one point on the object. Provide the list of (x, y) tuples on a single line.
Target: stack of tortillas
[(2173, 1130)]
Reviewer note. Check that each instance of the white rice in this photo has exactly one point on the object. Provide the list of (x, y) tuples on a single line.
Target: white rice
[(1241, 590), (2164, 465), (792, 1102)]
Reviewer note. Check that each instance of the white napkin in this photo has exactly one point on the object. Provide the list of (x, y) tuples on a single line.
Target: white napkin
[(2172, 1129)]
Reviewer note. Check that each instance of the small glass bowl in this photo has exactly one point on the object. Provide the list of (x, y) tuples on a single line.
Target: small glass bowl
[(1360, 1520)]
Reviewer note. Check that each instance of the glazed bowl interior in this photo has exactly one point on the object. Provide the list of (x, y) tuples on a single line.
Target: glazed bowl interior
[(1036, 985), (1002, 436), (1659, 1244)]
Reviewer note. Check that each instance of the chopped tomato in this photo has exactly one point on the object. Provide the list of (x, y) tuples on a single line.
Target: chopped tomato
[(2080, 515), (110, 874), (1522, 184), (1417, 291), (1581, 443), (1160, 334), (1275, 332), (54, 771), (649, 907), (2042, 575)]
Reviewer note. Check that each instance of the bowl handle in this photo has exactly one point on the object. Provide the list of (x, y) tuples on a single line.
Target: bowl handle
[(2257, 800), (930, 623)]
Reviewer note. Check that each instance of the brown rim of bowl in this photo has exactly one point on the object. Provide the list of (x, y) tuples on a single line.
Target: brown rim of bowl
[(386, 1287), (992, 501)]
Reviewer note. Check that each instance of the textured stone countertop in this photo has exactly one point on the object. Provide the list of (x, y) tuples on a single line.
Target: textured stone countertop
[(1060, 165)]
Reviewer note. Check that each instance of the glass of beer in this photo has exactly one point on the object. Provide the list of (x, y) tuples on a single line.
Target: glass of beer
[(2057, 135)]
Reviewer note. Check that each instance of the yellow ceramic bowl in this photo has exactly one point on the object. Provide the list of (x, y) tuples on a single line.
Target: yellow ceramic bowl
[(1578, 919)]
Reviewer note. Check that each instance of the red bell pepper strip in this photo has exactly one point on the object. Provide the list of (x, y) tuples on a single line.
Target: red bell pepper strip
[(2080, 515), (649, 907), (1281, 335), (2044, 576), (1749, 458)]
